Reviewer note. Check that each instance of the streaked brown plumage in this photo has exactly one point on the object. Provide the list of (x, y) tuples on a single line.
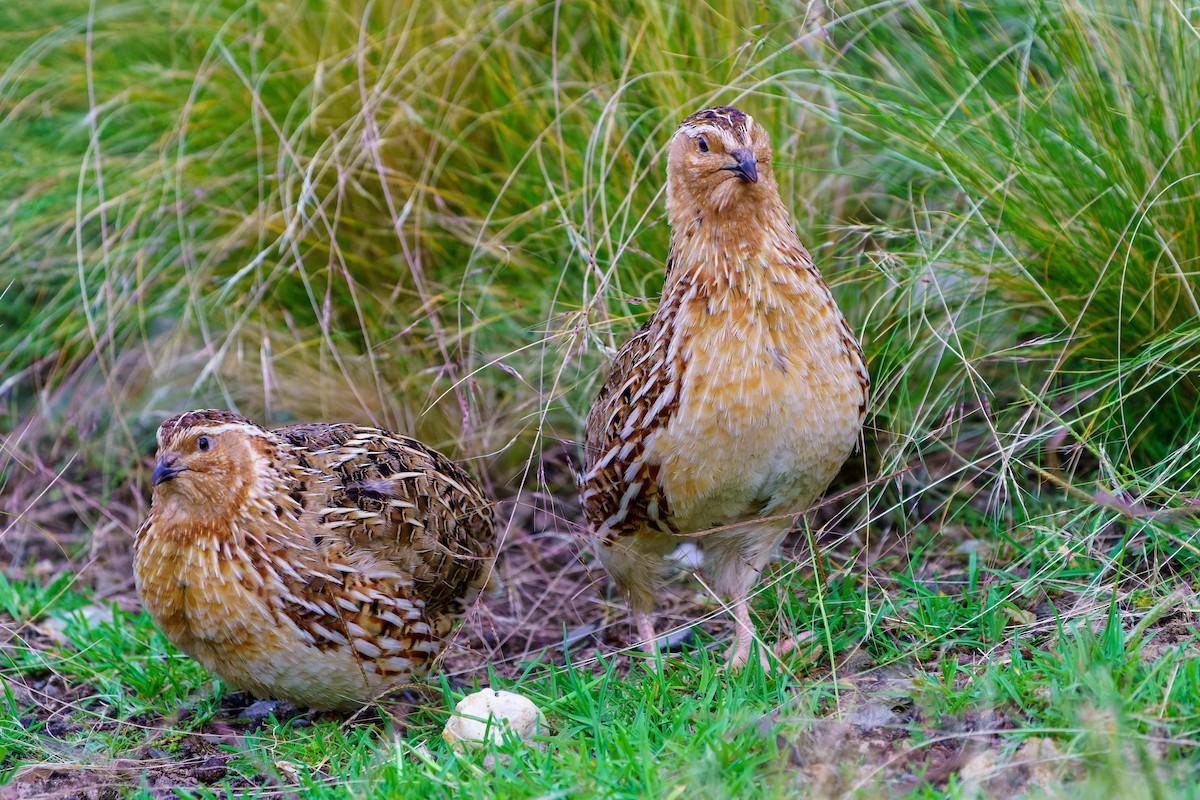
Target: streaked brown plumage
[(741, 396), (319, 564)]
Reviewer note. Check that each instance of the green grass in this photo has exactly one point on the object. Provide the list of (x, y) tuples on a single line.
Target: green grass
[(444, 216), (965, 666)]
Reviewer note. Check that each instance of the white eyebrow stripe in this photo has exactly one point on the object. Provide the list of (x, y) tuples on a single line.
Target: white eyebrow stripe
[(230, 426), (721, 133), (213, 430)]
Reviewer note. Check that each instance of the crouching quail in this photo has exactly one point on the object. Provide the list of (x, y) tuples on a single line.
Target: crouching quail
[(322, 564)]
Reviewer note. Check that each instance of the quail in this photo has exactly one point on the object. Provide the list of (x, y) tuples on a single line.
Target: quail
[(731, 410), (322, 564)]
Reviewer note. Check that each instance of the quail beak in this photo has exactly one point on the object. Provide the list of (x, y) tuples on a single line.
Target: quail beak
[(166, 468), (745, 168)]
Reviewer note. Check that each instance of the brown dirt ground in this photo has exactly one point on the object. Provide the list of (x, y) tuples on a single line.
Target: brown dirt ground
[(545, 593)]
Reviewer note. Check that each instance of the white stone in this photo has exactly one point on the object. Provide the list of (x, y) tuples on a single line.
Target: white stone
[(488, 714)]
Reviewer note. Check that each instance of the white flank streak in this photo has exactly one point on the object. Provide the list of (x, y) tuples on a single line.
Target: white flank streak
[(455, 484), (328, 609), (367, 649), (307, 605), (630, 423), (271, 575), (604, 462), (628, 384), (642, 392), (623, 508), (381, 574), (208, 564), (316, 573), (650, 353), (663, 399), (325, 633)]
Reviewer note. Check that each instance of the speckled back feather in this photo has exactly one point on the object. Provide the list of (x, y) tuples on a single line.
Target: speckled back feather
[(620, 490), (403, 502)]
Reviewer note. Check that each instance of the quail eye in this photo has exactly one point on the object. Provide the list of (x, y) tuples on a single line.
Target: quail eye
[(702, 144), (204, 444)]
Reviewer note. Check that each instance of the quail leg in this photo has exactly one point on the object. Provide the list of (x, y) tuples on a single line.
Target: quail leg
[(739, 651), (645, 629), (744, 636)]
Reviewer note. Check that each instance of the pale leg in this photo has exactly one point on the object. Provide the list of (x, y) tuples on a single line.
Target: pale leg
[(785, 647), (734, 560), (743, 637), (638, 573), (746, 634), (645, 629)]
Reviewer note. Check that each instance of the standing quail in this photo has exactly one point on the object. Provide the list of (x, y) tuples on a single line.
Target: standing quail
[(738, 400)]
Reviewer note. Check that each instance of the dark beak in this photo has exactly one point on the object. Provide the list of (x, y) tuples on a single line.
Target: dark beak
[(746, 166), (166, 468)]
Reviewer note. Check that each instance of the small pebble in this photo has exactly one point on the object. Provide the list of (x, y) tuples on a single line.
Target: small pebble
[(871, 716), (212, 770), (256, 713)]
